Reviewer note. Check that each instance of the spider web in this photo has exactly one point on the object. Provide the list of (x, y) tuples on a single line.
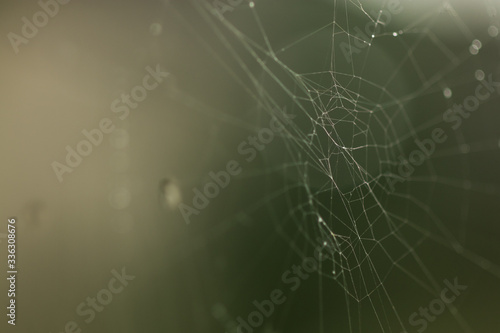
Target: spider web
[(360, 102)]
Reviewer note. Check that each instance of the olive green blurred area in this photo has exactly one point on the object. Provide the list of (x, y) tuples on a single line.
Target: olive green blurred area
[(350, 107)]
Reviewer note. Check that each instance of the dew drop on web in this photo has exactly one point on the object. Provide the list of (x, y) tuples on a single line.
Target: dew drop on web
[(475, 47), (155, 29), (170, 194), (493, 31), (447, 93), (479, 74)]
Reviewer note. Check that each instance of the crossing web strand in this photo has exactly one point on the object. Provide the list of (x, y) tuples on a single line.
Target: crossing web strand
[(372, 166)]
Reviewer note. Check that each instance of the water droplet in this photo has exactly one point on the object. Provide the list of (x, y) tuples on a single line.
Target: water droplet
[(493, 31), (395, 34), (170, 194), (447, 93), (120, 198), (155, 29), (479, 74), (476, 46), (464, 148), (251, 4), (492, 11), (219, 311)]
